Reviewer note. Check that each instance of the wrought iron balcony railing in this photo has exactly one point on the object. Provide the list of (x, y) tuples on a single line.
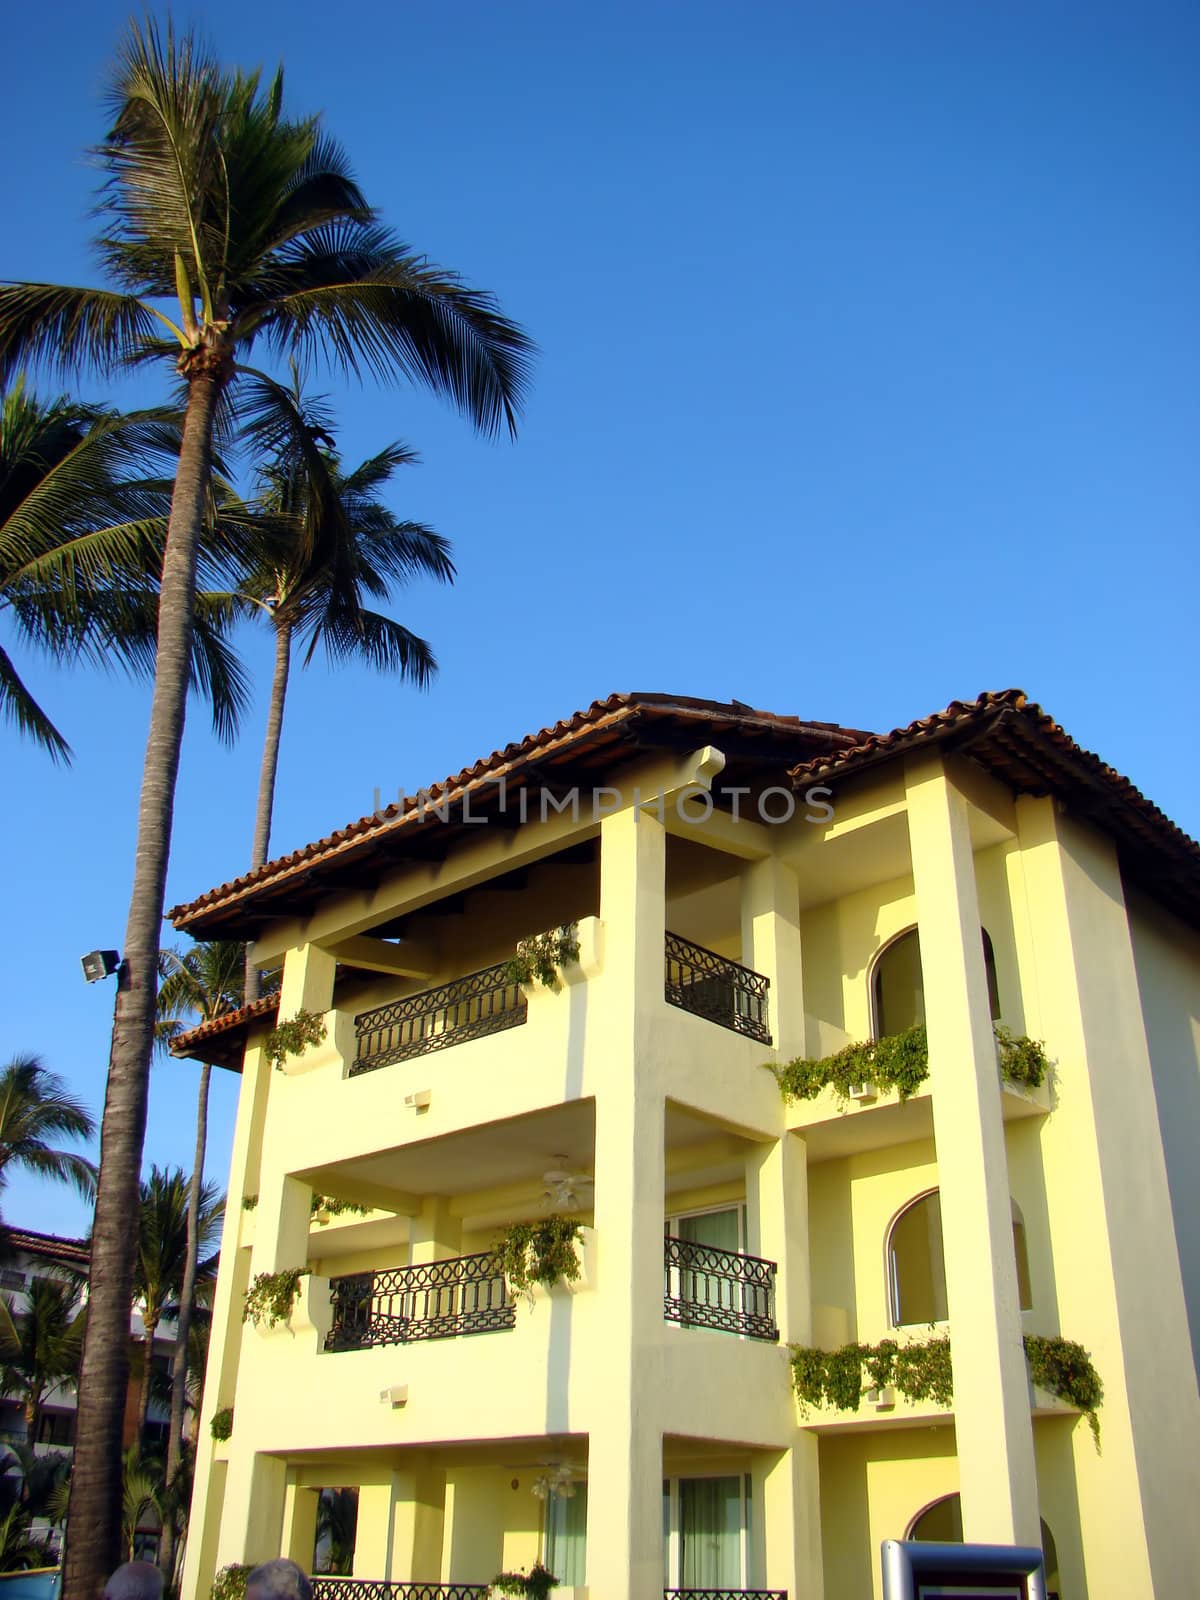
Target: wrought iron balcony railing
[(724, 1594), (720, 1289), (481, 1003), (385, 1589), (713, 987), (438, 1300)]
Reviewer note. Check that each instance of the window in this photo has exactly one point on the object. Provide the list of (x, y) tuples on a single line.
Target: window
[(566, 1536), (941, 1523), (57, 1427), (916, 1265), (11, 1279), (706, 1525), (898, 985)]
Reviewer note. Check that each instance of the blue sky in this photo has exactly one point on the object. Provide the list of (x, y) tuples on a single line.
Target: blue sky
[(869, 341)]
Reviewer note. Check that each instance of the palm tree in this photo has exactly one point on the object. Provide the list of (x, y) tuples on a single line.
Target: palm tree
[(197, 985), (162, 1256), (248, 226), (83, 518), (40, 1346), (344, 546), (36, 1108)]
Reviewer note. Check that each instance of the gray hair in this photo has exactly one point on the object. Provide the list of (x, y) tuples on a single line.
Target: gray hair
[(136, 1580), (277, 1580)]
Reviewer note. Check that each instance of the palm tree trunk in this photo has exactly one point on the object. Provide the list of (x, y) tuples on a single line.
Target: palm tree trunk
[(179, 1362), (151, 1328), (94, 1514), (266, 775)]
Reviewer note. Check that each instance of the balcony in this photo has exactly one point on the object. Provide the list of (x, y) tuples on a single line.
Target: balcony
[(467, 1008), (402, 1305), (719, 1289), (717, 989)]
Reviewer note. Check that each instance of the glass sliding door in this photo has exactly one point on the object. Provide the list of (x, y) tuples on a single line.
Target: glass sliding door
[(566, 1536), (704, 1532), (719, 1230)]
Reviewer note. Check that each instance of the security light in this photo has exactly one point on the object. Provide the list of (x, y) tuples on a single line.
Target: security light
[(99, 964)]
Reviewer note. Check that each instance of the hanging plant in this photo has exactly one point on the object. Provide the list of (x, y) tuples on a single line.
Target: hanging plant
[(536, 1583), (542, 955), (222, 1423), (271, 1296), (924, 1371), (325, 1207), (900, 1061), (230, 1582), (1064, 1368), (539, 1252), (294, 1037)]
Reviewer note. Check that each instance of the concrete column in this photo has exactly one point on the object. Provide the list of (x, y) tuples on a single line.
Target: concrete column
[(299, 1536), (1116, 1269), (435, 1235), (281, 1226), (252, 1526), (418, 1521), (771, 945), (308, 974), (777, 1214), (376, 1519), (993, 1427), (625, 1448), (787, 1507)]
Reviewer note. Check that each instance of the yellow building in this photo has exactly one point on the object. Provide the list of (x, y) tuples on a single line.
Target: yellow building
[(741, 890)]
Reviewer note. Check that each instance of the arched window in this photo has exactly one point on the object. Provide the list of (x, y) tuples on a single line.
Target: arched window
[(941, 1523), (898, 987), (917, 1268)]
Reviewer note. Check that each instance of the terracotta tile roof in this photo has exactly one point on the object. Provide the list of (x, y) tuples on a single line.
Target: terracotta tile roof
[(222, 1040), (74, 1253), (617, 722), (1023, 747)]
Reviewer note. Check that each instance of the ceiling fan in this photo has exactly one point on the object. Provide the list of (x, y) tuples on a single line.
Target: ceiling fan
[(564, 1189)]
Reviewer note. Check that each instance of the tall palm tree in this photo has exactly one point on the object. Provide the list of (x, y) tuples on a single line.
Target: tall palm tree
[(83, 518), (329, 543), (36, 1110), (248, 227), (198, 985), (40, 1345), (162, 1254)]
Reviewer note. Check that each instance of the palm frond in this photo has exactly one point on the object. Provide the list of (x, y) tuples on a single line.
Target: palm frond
[(351, 292), (69, 329), (17, 705), (382, 643)]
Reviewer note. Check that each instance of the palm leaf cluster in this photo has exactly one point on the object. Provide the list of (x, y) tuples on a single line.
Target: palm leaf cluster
[(230, 229), (83, 521)]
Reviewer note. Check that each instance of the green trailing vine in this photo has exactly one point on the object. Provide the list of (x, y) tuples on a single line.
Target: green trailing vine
[(230, 1582), (294, 1037), (536, 1583), (1065, 1369), (542, 955), (1022, 1061), (899, 1061), (222, 1423), (326, 1206), (271, 1296), (924, 1371), (539, 1252)]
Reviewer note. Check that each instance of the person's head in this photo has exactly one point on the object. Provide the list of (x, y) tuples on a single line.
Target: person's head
[(278, 1580), (136, 1580)]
